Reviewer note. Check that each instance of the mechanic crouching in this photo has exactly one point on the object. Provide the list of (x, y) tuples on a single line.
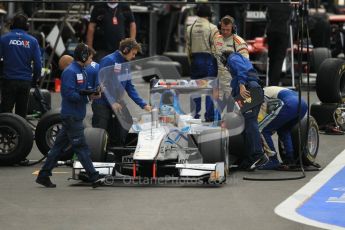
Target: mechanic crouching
[(287, 116), (73, 111), (244, 78)]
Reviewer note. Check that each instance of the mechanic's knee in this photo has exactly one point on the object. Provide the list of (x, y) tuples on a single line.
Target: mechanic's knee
[(78, 142)]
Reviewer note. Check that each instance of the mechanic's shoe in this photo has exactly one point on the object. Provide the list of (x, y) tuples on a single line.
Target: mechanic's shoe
[(272, 164), (45, 181), (98, 182), (263, 159)]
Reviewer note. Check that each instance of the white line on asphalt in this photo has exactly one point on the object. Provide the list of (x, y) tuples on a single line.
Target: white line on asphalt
[(287, 208)]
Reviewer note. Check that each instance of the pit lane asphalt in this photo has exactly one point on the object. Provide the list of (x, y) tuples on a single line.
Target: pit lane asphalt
[(238, 204)]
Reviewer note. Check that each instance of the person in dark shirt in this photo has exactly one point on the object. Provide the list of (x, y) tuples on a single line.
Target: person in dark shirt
[(107, 27), (73, 111), (278, 16), (19, 50)]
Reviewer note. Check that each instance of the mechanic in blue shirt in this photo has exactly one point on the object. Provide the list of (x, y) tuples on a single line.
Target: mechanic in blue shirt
[(18, 50), (244, 77), (90, 70), (286, 118), (103, 110), (73, 111)]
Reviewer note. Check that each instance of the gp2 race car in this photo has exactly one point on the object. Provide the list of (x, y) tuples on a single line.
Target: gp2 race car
[(167, 144)]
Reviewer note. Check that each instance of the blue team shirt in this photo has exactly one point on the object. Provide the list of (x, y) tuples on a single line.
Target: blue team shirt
[(19, 49), (73, 79), (92, 75), (242, 72), (117, 58)]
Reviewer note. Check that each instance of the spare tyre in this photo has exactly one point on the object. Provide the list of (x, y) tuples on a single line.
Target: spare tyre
[(46, 131), (330, 81), (323, 113), (318, 55), (16, 139)]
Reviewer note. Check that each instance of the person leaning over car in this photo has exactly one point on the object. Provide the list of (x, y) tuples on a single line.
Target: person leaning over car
[(244, 77), (102, 108), (19, 51), (227, 41), (282, 123), (73, 111)]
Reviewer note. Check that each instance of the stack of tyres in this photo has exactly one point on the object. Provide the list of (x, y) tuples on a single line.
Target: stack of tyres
[(330, 89)]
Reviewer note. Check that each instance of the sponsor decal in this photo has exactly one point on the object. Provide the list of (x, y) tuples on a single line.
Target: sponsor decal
[(117, 67), (24, 43), (80, 78)]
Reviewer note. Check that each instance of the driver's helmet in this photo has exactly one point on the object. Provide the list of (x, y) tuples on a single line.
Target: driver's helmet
[(168, 107), (169, 98)]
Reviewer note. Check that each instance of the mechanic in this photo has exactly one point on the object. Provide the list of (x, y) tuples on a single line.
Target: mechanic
[(199, 42), (91, 70), (103, 110), (73, 111), (107, 27), (19, 50), (279, 18), (227, 41), (282, 123), (244, 77)]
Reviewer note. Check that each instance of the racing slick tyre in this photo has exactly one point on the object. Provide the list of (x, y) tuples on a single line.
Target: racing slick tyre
[(46, 131), (323, 113), (318, 55), (96, 139), (181, 58), (236, 149), (168, 70), (38, 104), (213, 146), (330, 81), (16, 139), (311, 140)]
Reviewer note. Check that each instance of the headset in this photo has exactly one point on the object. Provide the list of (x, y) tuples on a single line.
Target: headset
[(232, 21), (20, 21), (81, 52), (127, 48)]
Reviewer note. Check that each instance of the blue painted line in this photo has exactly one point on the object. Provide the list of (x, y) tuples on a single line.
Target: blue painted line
[(327, 205)]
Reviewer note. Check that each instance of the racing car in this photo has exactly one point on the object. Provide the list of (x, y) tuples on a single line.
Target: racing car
[(170, 143), (167, 144)]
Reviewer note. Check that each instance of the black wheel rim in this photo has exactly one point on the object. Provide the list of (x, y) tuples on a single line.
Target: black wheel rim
[(9, 140), (51, 134), (313, 141)]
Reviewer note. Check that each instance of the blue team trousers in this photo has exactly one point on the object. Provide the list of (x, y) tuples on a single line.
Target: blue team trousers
[(71, 133)]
